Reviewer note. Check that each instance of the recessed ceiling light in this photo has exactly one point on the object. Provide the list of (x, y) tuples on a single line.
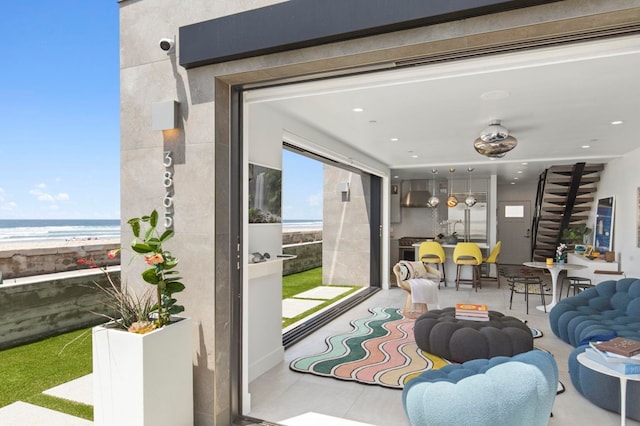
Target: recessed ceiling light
[(414, 156), (358, 109), (516, 178), (524, 164), (394, 139), (396, 177), (585, 146), (519, 171), (513, 183), (615, 123)]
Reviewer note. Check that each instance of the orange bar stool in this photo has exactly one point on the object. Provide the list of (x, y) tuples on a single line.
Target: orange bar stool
[(431, 252), (468, 254)]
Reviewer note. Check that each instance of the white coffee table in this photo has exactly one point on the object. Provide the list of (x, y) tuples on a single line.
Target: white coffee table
[(596, 366)]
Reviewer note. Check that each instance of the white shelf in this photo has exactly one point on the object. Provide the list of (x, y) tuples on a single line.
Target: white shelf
[(272, 266)]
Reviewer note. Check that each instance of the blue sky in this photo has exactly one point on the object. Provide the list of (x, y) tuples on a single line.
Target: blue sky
[(301, 187), (59, 82)]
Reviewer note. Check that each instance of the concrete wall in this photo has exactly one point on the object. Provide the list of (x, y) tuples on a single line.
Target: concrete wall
[(28, 261), (345, 228), (50, 306), (308, 256)]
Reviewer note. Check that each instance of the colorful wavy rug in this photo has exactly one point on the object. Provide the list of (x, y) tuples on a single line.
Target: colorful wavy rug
[(380, 350)]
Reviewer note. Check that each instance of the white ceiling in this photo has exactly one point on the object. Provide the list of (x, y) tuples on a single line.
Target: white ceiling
[(553, 100)]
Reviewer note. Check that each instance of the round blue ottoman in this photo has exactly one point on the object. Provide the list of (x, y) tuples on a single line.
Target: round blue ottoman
[(501, 391)]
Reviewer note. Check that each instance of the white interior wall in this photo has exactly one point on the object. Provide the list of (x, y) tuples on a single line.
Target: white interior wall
[(621, 179)]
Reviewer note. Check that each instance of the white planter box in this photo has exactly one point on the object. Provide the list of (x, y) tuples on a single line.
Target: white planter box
[(143, 379)]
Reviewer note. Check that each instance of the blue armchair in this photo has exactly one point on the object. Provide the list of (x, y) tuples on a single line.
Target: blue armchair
[(507, 391), (610, 309)]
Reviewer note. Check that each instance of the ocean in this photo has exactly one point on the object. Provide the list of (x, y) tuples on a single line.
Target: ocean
[(44, 230)]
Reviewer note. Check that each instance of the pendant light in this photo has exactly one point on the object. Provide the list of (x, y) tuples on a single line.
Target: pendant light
[(433, 200), (495, 141), (452, 201), (470, 201)]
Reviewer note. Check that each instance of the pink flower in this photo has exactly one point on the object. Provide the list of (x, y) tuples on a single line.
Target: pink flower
[(113, 253), (154, 259)]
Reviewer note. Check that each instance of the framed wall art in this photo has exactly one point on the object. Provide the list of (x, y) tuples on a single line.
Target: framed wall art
[(605, 212)]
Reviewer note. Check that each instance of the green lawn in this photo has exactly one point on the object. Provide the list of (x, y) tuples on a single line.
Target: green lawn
[(30, 369), (297, 283)]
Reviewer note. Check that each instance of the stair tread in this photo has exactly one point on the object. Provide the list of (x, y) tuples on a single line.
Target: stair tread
[(588, 168), (560, 209), (566, 180)]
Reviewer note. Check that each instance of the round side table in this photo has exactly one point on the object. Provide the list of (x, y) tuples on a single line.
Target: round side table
[(600, 368)]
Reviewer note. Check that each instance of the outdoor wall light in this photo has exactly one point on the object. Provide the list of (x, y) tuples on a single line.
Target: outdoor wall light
[(164, 115)]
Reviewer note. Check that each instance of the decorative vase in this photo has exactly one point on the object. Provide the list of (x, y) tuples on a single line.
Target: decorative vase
[(452, 239), (143, 379)]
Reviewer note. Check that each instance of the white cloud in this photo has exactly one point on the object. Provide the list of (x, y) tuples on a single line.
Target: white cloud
[(41, 185), (44, 196), (8, 206), (1, 195)]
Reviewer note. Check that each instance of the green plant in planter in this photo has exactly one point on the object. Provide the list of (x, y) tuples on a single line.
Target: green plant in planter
[(162, 273), (576, 234)]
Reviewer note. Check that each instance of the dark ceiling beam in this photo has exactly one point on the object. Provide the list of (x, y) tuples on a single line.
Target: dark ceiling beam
[(296, 24)]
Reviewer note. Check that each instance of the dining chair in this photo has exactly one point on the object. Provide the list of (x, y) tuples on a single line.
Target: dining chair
[(468, 254), (431, 252)]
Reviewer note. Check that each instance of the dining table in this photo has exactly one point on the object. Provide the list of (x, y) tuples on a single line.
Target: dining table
[(554, 269)]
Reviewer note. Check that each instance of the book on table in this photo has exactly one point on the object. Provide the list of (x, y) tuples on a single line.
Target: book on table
[(614, 358), (472, 312), (472, 318), (621, 346), (471, 308), (620, 367)]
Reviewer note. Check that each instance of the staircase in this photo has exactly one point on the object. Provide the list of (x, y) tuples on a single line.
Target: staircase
[(563, 200)]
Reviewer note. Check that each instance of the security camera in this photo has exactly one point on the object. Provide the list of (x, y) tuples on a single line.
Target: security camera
[(167, 44)]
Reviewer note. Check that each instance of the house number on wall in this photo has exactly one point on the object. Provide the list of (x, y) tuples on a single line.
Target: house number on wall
[(167, 182)]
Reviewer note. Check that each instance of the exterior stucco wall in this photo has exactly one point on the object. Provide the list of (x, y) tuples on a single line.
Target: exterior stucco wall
[(201, 144), (345, 228)]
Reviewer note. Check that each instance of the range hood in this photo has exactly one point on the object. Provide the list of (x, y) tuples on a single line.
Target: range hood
[(415, 193)]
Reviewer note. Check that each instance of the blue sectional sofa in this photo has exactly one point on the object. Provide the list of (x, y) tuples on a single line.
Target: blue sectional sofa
[(610, 309), (501, 391)]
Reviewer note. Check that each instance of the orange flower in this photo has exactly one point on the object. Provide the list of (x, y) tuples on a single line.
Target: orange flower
[(154, 259)]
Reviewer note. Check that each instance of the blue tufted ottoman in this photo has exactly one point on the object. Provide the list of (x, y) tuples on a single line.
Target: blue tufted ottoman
[(501, 391), (440, 333), (612, 308)]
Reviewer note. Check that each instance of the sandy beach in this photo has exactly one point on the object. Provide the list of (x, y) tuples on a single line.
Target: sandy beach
[(29, 245)]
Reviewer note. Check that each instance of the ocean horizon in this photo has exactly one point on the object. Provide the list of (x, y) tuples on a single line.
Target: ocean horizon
[(51, 230)]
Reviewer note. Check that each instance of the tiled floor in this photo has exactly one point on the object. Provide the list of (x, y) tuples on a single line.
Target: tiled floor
[(282, 394)]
